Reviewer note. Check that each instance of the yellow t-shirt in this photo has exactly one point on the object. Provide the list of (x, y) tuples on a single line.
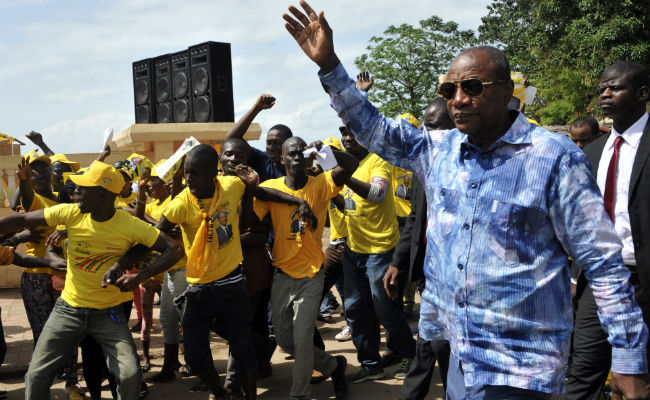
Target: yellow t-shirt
[(125, 202), (304, 259), (94, 247), (338, 223), (402, 191), (37, 249), (155, 211), (184, 211), (372, 228)]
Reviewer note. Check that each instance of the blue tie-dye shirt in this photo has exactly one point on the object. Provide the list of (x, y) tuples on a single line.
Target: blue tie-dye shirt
[(501, 226)]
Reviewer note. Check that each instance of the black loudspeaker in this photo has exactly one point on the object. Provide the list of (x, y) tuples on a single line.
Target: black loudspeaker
[(162, 75), (211, 70), (143, 91), (181, 87)]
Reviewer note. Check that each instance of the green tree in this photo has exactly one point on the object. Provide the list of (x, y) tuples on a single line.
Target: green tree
[(407, 60), (563, 46)]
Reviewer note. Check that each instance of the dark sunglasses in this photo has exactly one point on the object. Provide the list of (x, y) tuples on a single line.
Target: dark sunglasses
[(472, 87)]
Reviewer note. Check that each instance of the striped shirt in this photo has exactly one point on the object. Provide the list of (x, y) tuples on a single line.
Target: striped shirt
[(501, 226)]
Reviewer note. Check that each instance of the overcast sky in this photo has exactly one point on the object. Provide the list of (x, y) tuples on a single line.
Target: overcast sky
[(65, 69)]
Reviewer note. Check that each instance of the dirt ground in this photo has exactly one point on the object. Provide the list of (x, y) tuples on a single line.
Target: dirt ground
[(277, 386)]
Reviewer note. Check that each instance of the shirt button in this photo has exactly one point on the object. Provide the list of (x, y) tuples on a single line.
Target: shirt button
[(466, 226), (474, 185), (484, 155), (461, 304), (460, 267)]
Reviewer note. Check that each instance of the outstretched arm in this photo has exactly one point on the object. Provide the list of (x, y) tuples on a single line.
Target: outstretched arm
[(264, 102), (397, 142), (18, 222)]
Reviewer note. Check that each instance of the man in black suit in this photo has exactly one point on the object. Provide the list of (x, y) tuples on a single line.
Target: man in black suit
[(224, 230), (408, 263), (621, 166)]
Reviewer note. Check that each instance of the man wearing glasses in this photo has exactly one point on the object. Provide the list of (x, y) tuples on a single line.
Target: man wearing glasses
[(508, 203)]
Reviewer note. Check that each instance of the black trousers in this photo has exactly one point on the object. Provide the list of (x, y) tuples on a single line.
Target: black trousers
[(591, 355), (418, 380)]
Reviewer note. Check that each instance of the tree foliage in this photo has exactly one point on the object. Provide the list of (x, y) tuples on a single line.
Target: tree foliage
[(407, 60), (563, 46)]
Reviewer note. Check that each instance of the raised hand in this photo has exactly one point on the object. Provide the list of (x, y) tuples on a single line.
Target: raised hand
[(104, 154), (143, 182), (35, 137), (364, 81), (24, 171), (314, 36), (264, 102), (247, 175)]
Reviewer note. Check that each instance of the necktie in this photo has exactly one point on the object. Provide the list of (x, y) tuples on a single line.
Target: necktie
[(610, 183)]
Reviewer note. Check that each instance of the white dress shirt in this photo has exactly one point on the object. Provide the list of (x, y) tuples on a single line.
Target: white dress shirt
[(631, 139)]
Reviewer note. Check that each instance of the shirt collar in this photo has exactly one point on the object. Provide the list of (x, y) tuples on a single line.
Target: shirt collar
[(518, 133), (632, 135)]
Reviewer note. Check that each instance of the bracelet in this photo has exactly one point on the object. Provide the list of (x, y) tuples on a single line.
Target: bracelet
[(142, 202)]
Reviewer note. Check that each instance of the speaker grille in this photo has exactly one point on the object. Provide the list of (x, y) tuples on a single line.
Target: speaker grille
[(181, 111), (201, 108), (142, 114), (200, 80), (180, 84), (162, 89), (141, 91)]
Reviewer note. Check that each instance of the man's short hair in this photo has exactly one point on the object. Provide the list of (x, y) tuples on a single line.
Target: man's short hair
[(587, 120), (282, 128), (238, 142), (437, 102), (498, 58), (291, 140), (636, 73), (206, 155)]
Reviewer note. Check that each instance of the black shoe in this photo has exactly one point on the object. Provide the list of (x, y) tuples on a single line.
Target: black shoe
[(362, 374), (339, 380), (390, 358)]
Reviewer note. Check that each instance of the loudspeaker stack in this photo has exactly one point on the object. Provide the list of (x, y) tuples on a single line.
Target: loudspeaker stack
[(193, 85)]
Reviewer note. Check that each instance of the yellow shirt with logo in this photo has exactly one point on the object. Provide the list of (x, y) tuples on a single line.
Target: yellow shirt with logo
[(94, 247), (299, 252), (155, 211), (184, 211), (402, 191), (372, 228), (338, 223), (37, 249)]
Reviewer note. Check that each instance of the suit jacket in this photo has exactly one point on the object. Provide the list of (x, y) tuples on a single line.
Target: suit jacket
[(409, 252), (222, 236), (638, 207)]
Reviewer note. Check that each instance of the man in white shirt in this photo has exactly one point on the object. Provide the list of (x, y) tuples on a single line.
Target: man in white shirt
[(619, 161)]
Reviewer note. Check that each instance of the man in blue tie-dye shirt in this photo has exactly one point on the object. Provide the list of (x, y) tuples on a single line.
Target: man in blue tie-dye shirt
[(508, 203)]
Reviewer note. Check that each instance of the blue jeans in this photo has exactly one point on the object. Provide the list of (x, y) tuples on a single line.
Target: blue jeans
[(456, 389), (366, 301)]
